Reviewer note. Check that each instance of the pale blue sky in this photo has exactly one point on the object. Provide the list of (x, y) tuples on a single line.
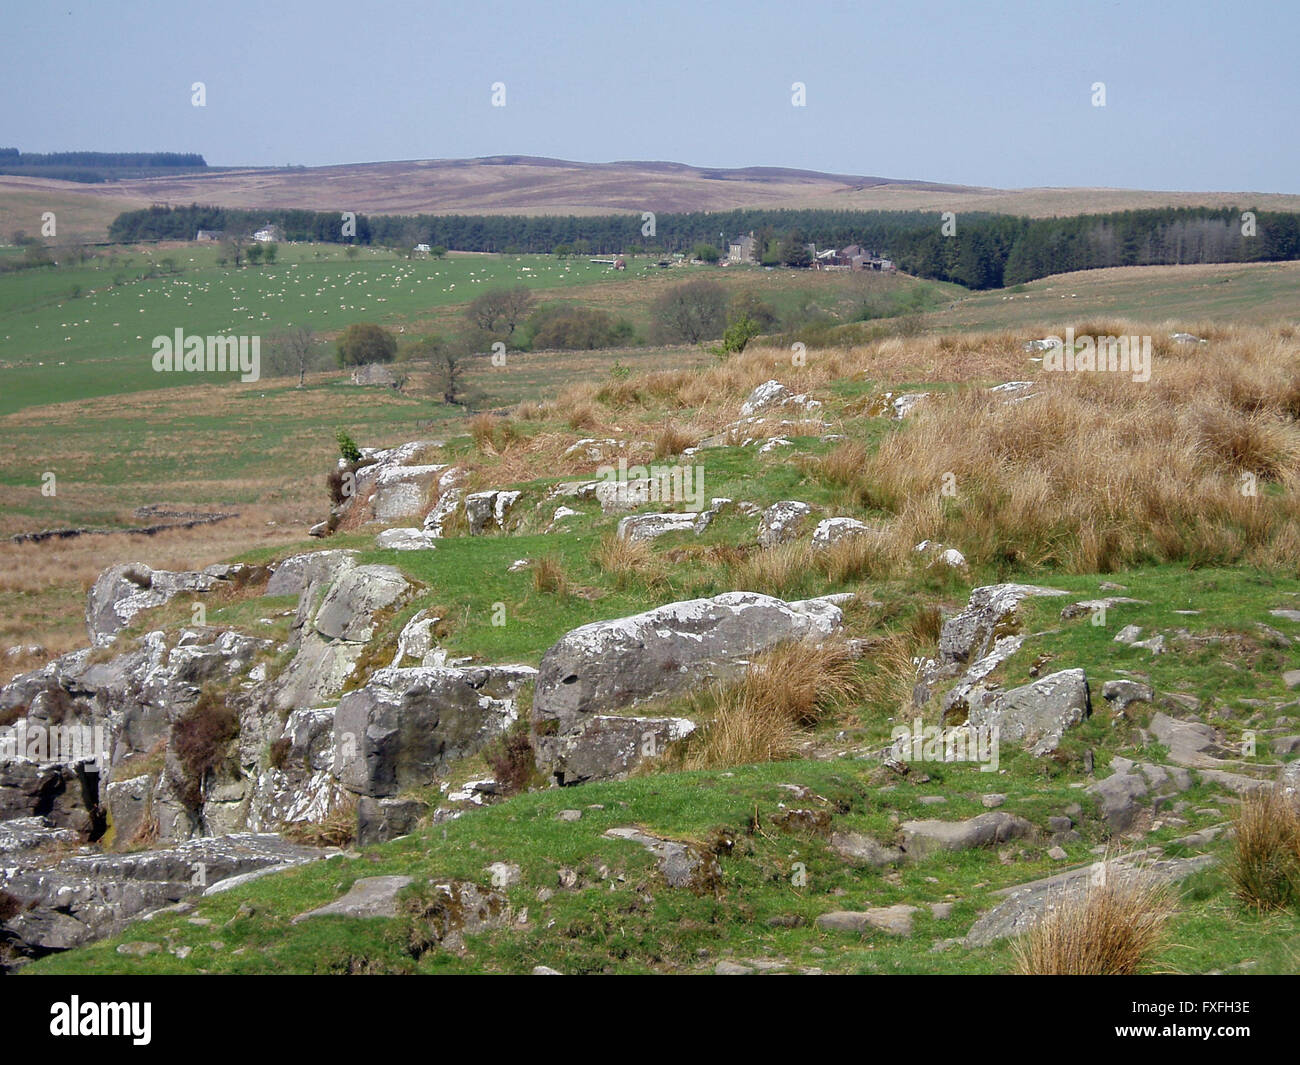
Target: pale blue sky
[(1201, 94)]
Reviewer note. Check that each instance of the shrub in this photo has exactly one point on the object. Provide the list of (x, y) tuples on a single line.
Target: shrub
[(200, 740), (365, 342), (577, 329), (347, 446), (510, 757), (738, 334), (10, 906), (691, 313)]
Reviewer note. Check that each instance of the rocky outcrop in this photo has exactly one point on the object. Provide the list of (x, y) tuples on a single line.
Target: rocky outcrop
[(772, 395), (989, 614), (781, 522), (390, 485), (484, 509), (121, 592), (450, 496), (88, 896), (1121, 797), (1037, 714), (611, 665), (334, 622), (402, 728)]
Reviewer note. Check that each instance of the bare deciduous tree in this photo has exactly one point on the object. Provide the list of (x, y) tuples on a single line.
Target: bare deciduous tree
[(500, 310)]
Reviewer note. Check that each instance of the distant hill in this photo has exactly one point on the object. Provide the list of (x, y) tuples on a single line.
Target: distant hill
[(516, 184)]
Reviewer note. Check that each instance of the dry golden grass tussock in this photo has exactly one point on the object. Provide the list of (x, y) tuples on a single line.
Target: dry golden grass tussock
[(879, 553), (549, 576), (541, 454), (889, 682), (772, 570), (628, 561), (1095, 470), (1113, 928), (763, 715), (1264, 865), (672, 439)]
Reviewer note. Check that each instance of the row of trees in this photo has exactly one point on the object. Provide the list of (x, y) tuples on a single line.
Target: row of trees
[(980, 251), (94, 167), (190, 160)]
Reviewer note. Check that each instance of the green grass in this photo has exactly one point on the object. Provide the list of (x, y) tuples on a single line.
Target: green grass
[(56, 349), (616, 921)]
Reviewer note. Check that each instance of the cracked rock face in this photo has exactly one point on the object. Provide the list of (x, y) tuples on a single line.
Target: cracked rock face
[(1037, 714), (989, 614), (611, 665), (330, 637), (122, 592), (405, 725)]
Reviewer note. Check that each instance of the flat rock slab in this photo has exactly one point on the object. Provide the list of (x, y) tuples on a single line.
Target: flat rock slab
[(371, 896), (682, 864), (1025, 904), (1190, 743), (893, 920), (858, 849), (921, 838)]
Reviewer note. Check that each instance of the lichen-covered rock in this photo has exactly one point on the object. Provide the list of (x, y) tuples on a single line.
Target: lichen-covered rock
[(404, 726), (407, 539), (832, 530), (781, 522), (121, 592), (989, 614), (773, 394), (610, 665), (1037, 714), (652, 526)]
